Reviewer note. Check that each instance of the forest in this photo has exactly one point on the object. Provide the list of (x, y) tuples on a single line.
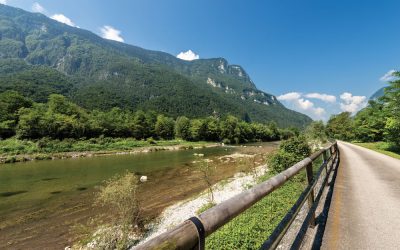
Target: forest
[(378, 122), (60, 118)]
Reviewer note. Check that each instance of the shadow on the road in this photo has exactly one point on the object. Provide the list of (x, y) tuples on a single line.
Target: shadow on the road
[(323, 216)]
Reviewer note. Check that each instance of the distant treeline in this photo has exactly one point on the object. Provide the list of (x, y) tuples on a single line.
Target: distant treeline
[(379, 121), (60, 118)]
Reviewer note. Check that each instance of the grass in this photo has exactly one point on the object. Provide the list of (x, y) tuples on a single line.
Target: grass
[(382, 147), (11, 149), (250, 229), (205, 207)]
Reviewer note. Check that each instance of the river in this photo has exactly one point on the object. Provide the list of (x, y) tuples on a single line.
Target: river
[(41, 201)]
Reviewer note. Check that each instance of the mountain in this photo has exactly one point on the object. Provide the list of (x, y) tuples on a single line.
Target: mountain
[(378, 93), (40, 56)]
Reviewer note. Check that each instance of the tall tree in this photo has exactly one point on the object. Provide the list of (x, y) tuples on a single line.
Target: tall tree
[(165, 127), (182, 128), (392, 99), (370, 122), (341, 126), (10, 103)]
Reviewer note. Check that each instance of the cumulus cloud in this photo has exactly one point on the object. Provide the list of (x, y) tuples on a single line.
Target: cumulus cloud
[(322, 97), (111, 33), (289, 96), (36, 7), (3, 1), (188, 56), (63, 19), (301, 104), (352, 103), (388, 76)]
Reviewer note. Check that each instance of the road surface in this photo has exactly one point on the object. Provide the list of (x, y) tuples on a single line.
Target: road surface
[(365, 207)]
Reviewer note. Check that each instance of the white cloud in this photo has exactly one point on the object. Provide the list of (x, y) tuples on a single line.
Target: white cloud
[(388, 76), (319, 111), (322, 97), (289, 96), (188, 56), (63, 19), (352, 103), (111, 33), (303, 105), (36, 7), (3, 1)]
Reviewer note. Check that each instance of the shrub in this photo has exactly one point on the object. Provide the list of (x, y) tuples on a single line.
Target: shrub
[(119, 194), (151, 141), (290, 151), (280, 161), (206, 171), (296, 145)]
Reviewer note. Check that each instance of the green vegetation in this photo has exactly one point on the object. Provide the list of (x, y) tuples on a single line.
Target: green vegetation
[(59, 125), (205, 207), (250, 229), (290, 151), (382, 147), (14, 146), (379, 121), (40, 57), (206, 171), (119, 195), (60, 118)]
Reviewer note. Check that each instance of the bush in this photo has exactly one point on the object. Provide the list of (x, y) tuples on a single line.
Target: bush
[(119, 194), (280, 161), (151, 141), (296, 145), (290, 152)]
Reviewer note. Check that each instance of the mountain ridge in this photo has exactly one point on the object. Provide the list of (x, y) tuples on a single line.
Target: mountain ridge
[(99, 73)]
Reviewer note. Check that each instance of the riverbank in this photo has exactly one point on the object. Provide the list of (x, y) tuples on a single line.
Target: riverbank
[(382, 147), (222, 191), (15, 150), (247, 231)]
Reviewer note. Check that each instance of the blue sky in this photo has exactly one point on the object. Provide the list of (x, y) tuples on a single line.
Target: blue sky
[(303, 51)]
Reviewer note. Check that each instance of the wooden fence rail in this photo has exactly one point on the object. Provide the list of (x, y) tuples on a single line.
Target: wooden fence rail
[(191, 233)]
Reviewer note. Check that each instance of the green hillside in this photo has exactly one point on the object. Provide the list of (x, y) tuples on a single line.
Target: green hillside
[(40, 56)]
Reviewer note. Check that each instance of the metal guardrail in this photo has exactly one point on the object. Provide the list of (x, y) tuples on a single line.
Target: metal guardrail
[(191, 233)]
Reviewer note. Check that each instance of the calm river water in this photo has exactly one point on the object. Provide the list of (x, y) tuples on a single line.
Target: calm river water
[(41, 200)]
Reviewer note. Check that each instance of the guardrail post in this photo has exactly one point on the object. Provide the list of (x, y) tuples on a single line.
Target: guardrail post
[(309, 169), (325, 158)]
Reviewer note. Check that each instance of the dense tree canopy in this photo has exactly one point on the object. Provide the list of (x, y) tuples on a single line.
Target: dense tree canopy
[(60, 118), (341, 126)]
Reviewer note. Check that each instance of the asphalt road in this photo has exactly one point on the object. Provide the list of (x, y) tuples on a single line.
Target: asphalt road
[(365, 207)]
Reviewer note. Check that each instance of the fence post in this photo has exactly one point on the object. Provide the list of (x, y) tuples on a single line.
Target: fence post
[(325, 158), (310, 175)]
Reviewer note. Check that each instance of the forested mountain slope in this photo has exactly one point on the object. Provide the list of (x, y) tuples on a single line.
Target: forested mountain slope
[(40, 56)]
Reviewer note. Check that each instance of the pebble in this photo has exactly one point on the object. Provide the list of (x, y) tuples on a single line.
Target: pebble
[(143, 178)]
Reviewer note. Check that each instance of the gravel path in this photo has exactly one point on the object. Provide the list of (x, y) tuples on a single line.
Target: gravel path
[(365, 209)]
